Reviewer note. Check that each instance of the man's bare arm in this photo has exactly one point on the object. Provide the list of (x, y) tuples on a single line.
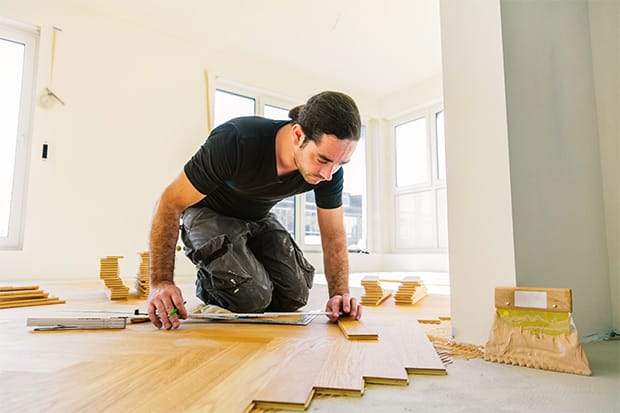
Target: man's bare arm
[(336, 263), (164, 295)]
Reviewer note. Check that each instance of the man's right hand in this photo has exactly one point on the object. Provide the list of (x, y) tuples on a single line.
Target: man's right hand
[(163, 298)]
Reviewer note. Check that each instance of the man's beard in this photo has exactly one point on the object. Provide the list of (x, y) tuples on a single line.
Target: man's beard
[(312, 179)]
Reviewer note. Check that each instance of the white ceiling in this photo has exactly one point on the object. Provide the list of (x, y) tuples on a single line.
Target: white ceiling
[(375, 46)]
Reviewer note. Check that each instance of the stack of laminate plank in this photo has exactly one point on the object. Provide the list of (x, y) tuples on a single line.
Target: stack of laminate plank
[(25, 296), (373, 292), (109, 273), (410, 291), (142, 280)]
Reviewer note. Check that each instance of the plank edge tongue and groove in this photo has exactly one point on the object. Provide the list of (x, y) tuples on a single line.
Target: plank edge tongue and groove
[(533, 327)]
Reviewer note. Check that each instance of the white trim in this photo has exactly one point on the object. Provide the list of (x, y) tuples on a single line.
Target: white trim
[(26, 35), (262, 95), (19, 28)]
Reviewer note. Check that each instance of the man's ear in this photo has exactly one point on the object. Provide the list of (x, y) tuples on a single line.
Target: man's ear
[(298, 134)]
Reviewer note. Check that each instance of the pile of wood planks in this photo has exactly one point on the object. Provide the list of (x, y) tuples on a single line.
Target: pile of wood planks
[(373, 292), (142, 279), (25, 296), (109, 273), (410, 291)]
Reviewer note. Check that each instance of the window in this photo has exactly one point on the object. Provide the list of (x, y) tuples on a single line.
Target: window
[(17, 54), (231, 105), (354, 196), (412, 155), (285, 209), (420, 190), (298, 213), (274, 112)]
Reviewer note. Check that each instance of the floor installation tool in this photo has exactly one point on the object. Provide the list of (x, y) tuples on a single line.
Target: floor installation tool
[(76, 323), (533, 327), (215, 313), (133, 317)]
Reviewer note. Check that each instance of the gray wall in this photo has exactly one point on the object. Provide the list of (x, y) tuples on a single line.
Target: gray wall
[(555, 165), (605, 38)]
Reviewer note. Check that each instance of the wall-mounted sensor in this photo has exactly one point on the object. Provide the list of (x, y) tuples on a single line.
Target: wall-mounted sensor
[(44, 151)]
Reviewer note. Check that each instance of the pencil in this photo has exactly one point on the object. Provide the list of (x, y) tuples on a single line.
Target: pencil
[(175, 310)]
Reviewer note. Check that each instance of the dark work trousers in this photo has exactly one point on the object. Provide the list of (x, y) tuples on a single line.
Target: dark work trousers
[(245, 266)]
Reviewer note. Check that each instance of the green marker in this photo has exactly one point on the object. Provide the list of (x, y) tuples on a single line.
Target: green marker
[(175, 310)]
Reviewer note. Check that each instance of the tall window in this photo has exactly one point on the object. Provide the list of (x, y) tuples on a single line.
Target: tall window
[(17, 51), (298, 213), (285, 210), (420, 193)]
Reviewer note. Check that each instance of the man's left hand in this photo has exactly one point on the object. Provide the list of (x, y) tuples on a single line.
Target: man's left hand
[(344, 304)]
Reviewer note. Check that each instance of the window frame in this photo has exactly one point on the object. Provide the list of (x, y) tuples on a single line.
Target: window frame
[(435, 185), (29, 37)]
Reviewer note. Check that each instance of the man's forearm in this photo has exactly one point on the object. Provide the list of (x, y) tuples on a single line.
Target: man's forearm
[(336, 263), (163, 240)]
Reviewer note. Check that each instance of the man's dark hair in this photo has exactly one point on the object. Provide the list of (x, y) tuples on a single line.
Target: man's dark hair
[(331, 113)]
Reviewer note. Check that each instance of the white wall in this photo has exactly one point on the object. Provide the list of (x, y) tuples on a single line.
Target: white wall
[(479, 200), (557, 191), (417, 96), (605, 37), (134, 114)]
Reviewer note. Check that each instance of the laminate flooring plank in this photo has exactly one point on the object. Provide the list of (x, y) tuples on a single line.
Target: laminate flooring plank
[(19, 288), (292, 386), (253, 375), (342, 370), (417, 352), (152, 383), (14, 296), (382, 363), (31, 302), (219, 386)]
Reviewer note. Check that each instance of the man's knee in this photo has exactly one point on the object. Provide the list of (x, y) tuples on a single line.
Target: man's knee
[(291, 298), (252, 299)]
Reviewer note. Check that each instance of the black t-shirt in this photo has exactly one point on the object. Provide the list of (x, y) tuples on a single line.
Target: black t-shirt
[(236, 169)]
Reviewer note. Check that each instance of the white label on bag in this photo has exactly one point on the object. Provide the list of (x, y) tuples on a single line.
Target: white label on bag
[(531, 299)]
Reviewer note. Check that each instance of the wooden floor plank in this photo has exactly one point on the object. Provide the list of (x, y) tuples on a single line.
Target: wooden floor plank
[(31, 302), (382, 363), (418, 354), (300, 361), (342, 370)]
